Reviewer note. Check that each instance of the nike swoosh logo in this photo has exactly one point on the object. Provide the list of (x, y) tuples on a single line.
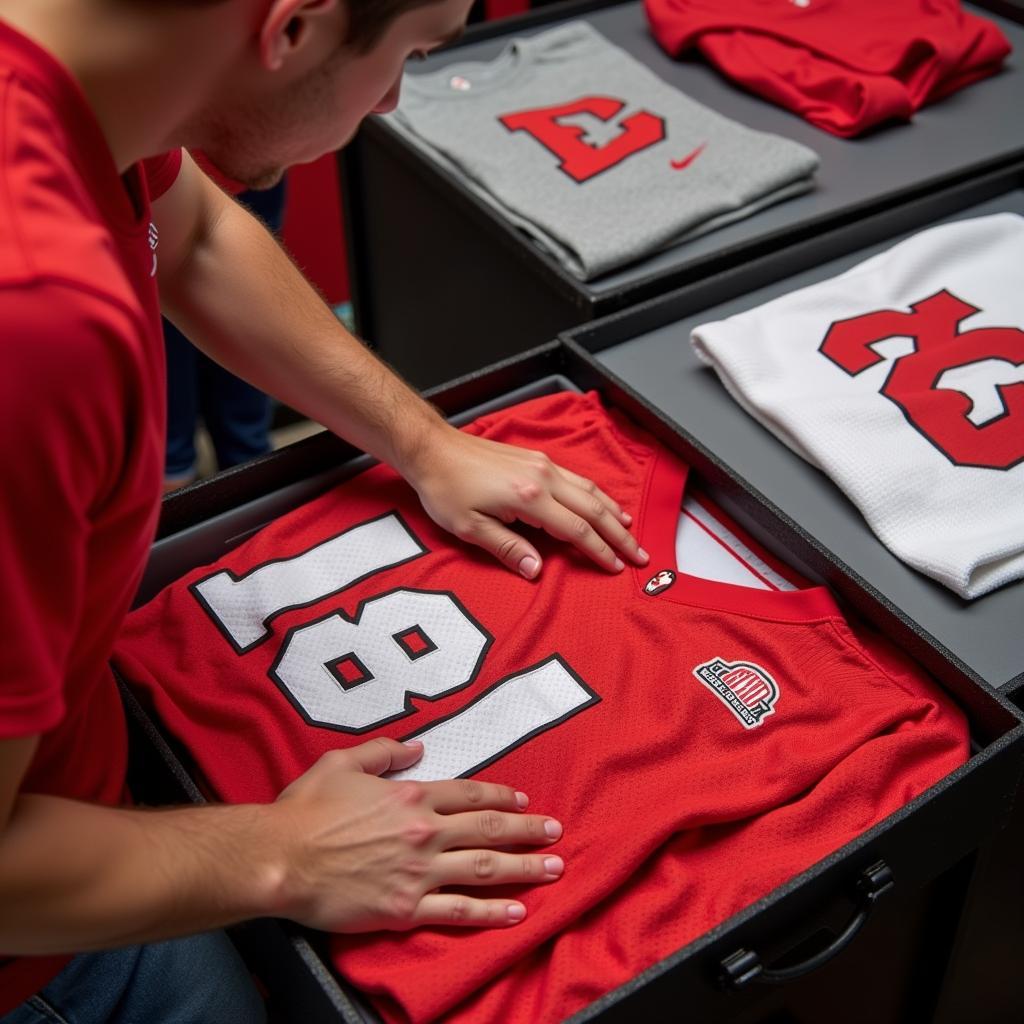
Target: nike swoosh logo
[(678, 165)]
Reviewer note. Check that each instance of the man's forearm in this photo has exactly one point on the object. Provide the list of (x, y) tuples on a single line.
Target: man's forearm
[(341, 849), (239, 297), (235, 293), (75, 876)]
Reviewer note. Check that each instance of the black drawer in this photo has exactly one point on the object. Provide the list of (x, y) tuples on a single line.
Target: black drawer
[(925, 850)]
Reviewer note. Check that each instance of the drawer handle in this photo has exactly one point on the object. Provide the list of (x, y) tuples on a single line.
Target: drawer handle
[(745, 966)]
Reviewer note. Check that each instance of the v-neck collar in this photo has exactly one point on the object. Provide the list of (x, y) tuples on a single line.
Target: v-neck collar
[(659, 514)]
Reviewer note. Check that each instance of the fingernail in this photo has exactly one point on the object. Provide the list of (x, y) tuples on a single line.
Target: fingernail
[(642, 555), (516, 912), (529, 567), (522, 800), (554, 865), (618, 565), (552, 829), (626, 519), (415, 744)]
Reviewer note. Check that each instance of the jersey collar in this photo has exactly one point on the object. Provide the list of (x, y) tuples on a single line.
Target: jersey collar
[(662, 501)]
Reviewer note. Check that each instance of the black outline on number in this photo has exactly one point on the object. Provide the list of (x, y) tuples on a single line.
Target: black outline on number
[(958, 333), (354, 659), (595, 698), (409, 694), (428, 645), (267, 632)]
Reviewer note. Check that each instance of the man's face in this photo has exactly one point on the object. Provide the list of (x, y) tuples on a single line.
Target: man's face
[(268, 120)]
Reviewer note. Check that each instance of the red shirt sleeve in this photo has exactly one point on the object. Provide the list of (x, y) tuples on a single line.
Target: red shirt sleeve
[(61, 445), (160, 172)]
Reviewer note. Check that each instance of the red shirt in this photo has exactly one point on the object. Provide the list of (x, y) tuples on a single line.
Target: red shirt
[(82, 394), (844, 65), (702, 743)]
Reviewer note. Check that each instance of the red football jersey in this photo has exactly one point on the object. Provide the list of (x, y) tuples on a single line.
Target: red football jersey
[(844, 65), (700, 741)]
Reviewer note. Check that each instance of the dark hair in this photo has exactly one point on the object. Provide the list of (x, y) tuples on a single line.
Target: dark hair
[(368, 20)]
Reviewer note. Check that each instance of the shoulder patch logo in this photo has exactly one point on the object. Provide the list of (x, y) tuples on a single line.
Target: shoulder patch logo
[(746, 689)]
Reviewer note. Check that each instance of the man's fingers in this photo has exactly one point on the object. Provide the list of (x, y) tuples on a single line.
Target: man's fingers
[(490, 867), (466, 911), (602, 519), (468, 794), (560, 522), (585, 484), (381, 755), (564, 524), (574, 510), (506, 545), (473, 829)]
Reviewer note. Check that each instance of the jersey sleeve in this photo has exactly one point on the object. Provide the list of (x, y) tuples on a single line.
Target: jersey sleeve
[(161, 172), (61, 444)]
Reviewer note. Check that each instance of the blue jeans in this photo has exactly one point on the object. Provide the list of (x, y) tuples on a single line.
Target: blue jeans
[(236, 415), (196, 980)]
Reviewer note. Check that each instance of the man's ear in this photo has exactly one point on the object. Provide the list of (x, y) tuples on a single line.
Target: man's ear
[(286, 27)]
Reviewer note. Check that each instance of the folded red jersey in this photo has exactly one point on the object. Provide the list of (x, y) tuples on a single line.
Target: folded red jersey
[(844, 65), (701, 742)]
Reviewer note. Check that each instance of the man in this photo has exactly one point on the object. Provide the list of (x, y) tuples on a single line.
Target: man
[(88, 89)]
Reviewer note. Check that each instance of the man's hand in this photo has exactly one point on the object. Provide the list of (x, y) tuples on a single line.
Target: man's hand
[(340, 849), (291, 344), (364, 853), (474, 487)]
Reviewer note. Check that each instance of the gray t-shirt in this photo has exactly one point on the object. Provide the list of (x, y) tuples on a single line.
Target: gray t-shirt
[(590, 153)]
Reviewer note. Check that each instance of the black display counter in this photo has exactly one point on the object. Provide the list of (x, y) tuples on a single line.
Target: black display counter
[(442, 285)]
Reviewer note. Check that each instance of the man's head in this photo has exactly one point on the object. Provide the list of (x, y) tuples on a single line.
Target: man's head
[(305, 74)]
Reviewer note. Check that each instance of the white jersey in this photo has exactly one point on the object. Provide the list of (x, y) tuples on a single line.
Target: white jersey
[(903, 380)]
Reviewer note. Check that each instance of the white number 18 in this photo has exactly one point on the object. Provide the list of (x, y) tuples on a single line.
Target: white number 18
[(356, 674)]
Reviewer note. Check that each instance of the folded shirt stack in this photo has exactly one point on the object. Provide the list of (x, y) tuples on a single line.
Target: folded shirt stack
[(844, 65), (590, 153)]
